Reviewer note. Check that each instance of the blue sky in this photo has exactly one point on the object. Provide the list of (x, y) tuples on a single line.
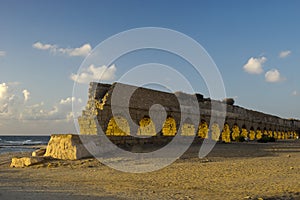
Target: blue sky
[(255, 45)]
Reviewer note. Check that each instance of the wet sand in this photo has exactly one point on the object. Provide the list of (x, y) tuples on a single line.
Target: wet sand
[(231, 171)]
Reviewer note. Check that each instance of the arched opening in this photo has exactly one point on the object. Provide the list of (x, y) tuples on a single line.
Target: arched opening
[(244, 132), (289, 135), (188, 129), (265, 132), (203, 129), (294, 135), (275, 134), (226, 133), (215, 132), (285, 135), (270, 133), (147, 127), (235, 132), (169, 127), (258, 134), (279, 135), (251, 134), (118, 126)]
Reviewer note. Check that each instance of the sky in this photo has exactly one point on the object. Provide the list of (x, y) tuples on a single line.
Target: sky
[(254, 44)]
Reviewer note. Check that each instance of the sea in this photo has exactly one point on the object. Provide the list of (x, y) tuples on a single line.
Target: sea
[(21, 143)]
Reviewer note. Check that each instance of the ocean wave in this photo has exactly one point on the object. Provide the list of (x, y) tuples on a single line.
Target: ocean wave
[(22, 141)]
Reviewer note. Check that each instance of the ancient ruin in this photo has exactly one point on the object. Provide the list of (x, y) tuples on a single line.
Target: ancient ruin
[(120, 127), (128, 124)]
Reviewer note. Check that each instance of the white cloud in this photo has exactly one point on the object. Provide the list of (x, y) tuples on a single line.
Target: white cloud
[(84, 50), (39, 45), (93, 73), (255, 65), (26, 94), (3, 90), (5, 98), (2, 53), (273, 76), (284, 54), (10, 99), (67, 100), (295, 93)]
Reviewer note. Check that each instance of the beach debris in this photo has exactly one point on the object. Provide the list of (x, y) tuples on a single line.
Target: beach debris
[(25, 161), (39, 152), (247, 197), (204, 160)]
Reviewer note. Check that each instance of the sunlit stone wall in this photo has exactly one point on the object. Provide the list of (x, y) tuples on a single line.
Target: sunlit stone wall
[(239, 122)]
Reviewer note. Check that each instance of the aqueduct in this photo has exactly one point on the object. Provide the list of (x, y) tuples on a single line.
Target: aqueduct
[(238, 121)]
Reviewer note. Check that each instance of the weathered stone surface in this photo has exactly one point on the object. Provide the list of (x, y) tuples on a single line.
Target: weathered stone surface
[(66, 147), (39, 152), (25, 161), (98, 114), (229, 101)]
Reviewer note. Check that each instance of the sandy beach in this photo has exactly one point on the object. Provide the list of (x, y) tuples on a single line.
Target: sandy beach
[(231, 171)]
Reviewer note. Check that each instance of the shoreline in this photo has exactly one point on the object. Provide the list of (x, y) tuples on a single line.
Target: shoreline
[(230, 171), (19, 148)]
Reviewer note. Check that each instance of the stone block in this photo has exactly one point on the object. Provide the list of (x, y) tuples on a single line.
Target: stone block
[(25, 161), (66, 147), (39, 152)]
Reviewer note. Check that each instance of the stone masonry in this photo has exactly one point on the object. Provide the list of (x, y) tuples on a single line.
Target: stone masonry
[(238, 121)]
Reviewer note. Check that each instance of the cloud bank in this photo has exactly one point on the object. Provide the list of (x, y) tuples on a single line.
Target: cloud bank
[(15, 105), (61, 110)]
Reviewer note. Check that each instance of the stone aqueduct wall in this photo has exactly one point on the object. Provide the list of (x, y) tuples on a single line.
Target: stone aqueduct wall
[(238, 120)]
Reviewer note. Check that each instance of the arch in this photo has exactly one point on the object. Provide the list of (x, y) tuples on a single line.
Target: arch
[(244, 132), (282, 134), (258, 134), (289, 135), (226, 133), (265, 132), (235, 132), (275, 134), (270, 133), (285, 135), (169, 127), (147, 127), (188, 128), (279, 135), (294, 135), (215, 132), (251, 134), (203, 129), (118, 126)]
